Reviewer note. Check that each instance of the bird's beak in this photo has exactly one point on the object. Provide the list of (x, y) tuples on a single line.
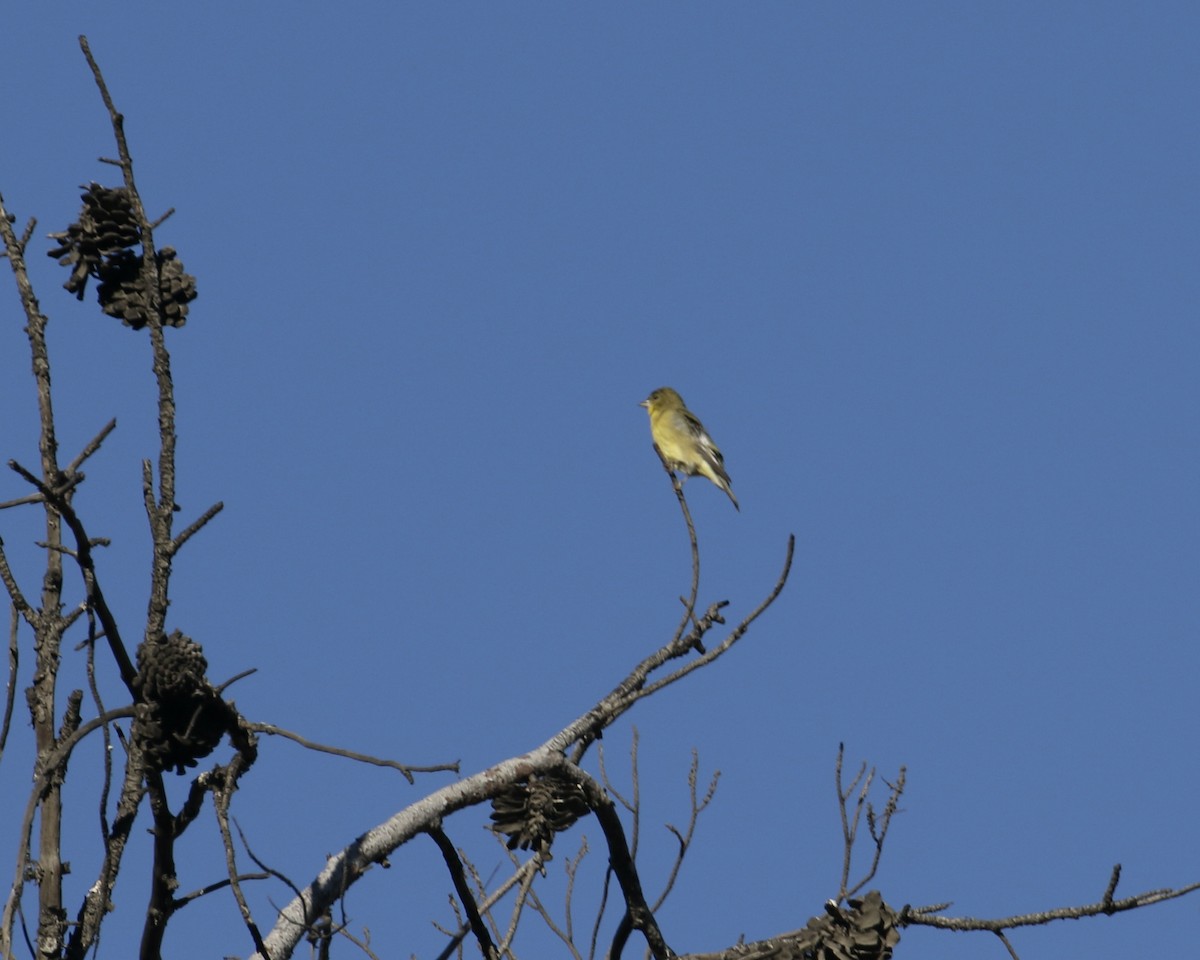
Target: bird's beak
[(645, 403)]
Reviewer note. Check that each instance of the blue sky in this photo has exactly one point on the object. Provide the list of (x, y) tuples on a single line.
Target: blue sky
[(927, 271)]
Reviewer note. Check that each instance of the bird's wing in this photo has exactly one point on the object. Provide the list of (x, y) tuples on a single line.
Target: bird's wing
[(708, 449)]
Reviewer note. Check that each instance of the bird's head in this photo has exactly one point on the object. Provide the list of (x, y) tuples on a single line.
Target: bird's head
[(664, 398)]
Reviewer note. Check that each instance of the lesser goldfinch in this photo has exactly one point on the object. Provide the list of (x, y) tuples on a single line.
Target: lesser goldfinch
[(683, 441)]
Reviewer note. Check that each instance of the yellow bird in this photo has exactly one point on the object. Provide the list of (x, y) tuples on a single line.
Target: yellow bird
[(683, 441)]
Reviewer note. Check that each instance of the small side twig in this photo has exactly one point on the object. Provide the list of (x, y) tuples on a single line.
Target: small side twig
[(258, 862), (524, 874), (83, 558), (1111, 889), (195, 527), (20, 604), (222, 795), (14, 662), (407, 770), (1007, 945), (684, 837), (877, 825), (735, 635), (91, 447), (180, 902), (564, 934)]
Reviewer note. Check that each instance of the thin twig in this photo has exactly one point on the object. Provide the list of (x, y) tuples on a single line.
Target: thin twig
[(536, 902), (572, 870), (407, 770), (83, 558), (222, 797), (91, 446), (481, 890), (1007, 946), (635, 827), (22, 501), (689, 604), (730, 640), (522, 897), (1111, 889), (364, 944), (14, 591), (106, 786), (607, 781), (181, 902), (527, 869), (193, 528), (14, 661), (267, 871), (924, 919), (594, 943), (878, 827), (698, 806)]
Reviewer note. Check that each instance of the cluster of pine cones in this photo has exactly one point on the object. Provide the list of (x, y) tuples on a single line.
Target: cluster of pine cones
[(100, 245)]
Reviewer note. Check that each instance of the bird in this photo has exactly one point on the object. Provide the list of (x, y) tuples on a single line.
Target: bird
[(683, 442)]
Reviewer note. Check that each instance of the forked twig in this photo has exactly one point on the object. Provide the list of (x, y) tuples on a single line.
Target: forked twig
[(877, 825)]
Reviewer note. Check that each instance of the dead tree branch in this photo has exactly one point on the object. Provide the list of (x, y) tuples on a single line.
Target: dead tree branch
[(1106, 906)]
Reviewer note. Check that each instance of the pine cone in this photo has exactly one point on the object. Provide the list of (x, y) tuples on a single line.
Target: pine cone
[(531, 813), (104, 229), (179, 718)]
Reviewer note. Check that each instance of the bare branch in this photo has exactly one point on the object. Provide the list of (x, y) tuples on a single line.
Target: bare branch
[(730, 640), (96, 903), (465, 896), (222, 796), (847, 830), (22, 501), (181, 902), (1007, 946), (406, 769), (20, 604), (565, 936), (164, 218), (698, 806), (638, 912), (267, 871), (91, 447), (1102, 907), (160, 513), (193, 528), (876, 825), (1111, 889), (83, 558), (524, 873), (594, 943), (14, 661)]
